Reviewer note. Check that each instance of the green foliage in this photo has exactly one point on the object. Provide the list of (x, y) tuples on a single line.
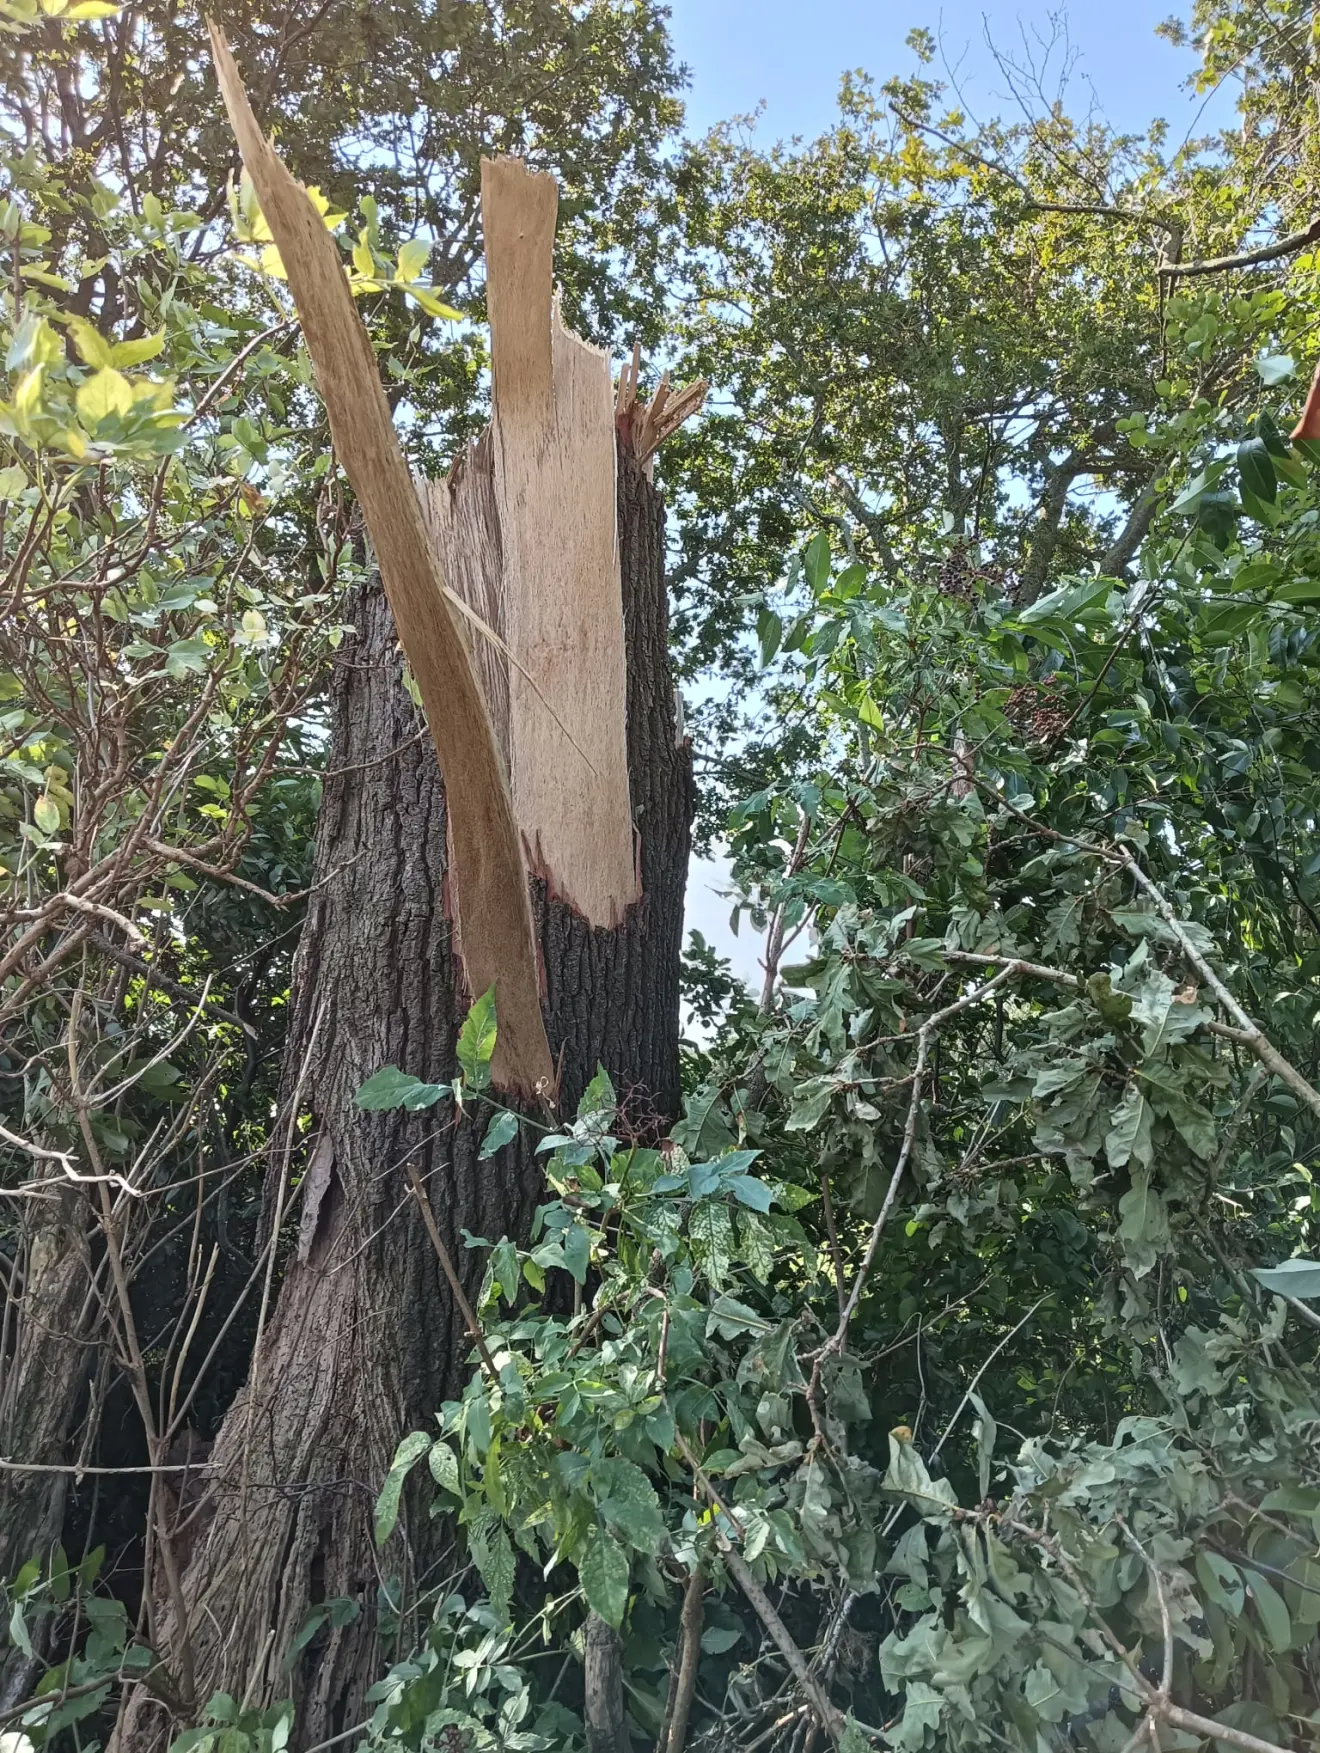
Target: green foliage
[(75, 1689), (1059, 1182)]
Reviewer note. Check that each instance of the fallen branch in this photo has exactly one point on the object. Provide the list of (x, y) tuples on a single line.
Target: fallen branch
[(741, 1572)]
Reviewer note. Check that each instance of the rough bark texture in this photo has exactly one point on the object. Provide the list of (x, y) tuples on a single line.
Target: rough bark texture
[(602, 1684), (45, 1357), (363, 1342)]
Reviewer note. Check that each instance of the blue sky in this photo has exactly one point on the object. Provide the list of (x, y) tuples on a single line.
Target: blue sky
[(740, 52), (790, 55)]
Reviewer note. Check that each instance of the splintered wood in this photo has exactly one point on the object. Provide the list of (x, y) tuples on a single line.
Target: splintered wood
[(504, 581), (490, 903), (548, 582)]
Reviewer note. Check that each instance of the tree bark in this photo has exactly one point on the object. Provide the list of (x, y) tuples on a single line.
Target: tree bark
[(602, 1683), (364, 1341), (46, 1359)]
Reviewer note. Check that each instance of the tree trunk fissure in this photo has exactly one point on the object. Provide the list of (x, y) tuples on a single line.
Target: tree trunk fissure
[(365, 1341)]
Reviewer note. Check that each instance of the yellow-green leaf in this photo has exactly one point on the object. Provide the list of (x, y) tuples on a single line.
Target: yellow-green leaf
[(432, 305), (413, 257), (93, 348), (92, 9), (34, 343), (46, 813), (105, 394), (322, 205), (363, 260), (136, 352), (28, 394)]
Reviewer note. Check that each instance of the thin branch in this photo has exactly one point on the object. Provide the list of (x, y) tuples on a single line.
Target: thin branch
[(1252, 1033), (1270, 252), (924, 1035), (475, 1333)]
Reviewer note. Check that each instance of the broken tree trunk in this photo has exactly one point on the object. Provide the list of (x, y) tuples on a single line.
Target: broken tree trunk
[(363, 1341)]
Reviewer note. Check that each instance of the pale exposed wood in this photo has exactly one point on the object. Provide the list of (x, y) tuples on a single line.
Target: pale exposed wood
[(491, 904), (463, 522), (554, 463), (645, 426)]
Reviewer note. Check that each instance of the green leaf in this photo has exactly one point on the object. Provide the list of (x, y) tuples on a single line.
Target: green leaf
[(810, 1106), (505, 1269), (1066, 603), (503, 1127), (1274, 1615), (1144, 1230), (1299, 1278), (577, 1252), (492, 1553), (985, 1431), (46, 814), (710, 1230), (476, 1041), (769, 632), (602, 1567), (1221, 1581), (1257, 469), (816, 562), (718, 1640), (187, 657), (406, 1456), (628, 1502), (1275, 368), (1129, 1136), (1303, 590), (747, 1190), (392, 1088), (18, 1631), (598, 1097)]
